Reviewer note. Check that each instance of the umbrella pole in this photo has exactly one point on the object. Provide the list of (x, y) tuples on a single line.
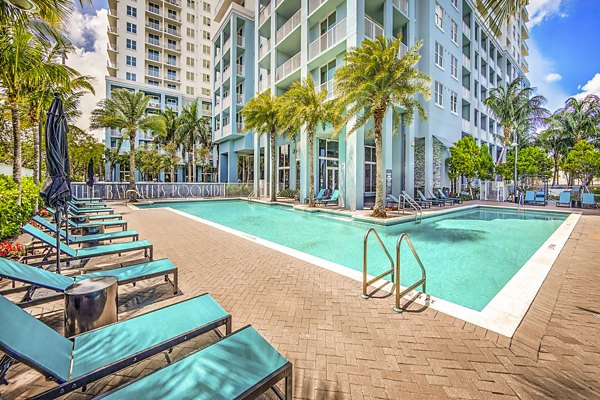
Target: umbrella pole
[(57, 217)]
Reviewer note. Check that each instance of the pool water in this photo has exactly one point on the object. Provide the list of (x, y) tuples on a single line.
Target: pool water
[(469, 254)]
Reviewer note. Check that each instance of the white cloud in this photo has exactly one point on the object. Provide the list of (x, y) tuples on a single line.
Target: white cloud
[(88, 34), (552, 77), (591, 87), (542, 9)]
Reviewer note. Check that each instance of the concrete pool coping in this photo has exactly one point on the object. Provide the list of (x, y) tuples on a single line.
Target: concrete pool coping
[(503, 314)]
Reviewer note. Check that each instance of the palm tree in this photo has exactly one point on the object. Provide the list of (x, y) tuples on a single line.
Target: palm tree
[(375, 80), (194, 129), (304, 104), (555, 140), (516, 108), (261, 115), (498, 13), (126, 110), (581, 118), (171, 123)]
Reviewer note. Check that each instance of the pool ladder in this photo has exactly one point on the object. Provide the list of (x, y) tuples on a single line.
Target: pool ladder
[(394, 270), (418, 209)]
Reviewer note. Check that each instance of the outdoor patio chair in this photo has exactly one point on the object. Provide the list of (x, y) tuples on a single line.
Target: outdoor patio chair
[(92, 210), (456, 200), (88, 218), (117, 223), (564, 200), (76, 362), (540, 198), (39, 277), (242, 365), (86, 199), (320, 195), (440, 199), (100, 237), (529, 197), (588, 200), (431, 201), (89, 252), (333, 199), (424, 204)]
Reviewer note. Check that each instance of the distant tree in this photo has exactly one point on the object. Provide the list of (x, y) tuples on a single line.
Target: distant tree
[(581, 118), (150, 162), (583, 162), (83, 147), (172, 160), (465, 160), (555, 140), (485, 168), (193, 130)]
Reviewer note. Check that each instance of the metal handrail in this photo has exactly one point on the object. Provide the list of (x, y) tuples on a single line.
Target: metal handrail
[(380, 276), (418, 209), (422, 281)]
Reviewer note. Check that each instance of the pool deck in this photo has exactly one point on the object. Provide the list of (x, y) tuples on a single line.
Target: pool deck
[(344, 347)]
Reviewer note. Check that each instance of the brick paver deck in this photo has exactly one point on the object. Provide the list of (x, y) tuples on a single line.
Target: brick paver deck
[(345, 347)]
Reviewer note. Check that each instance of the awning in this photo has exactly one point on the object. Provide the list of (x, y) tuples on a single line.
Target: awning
[(446, 142)]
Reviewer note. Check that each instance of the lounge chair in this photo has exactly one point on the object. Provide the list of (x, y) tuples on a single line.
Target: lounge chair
[(89, 252), (91, 210), (540, 198), (588, 200), (424, 204), (319, 196), (439, 199), (564, 200), (77, 214), (242, 365), (38, 277), (529, 197), (117, 223), (456, 200), (432, 201), (85, 358), (333, 199), (100, 237), (86, 199)]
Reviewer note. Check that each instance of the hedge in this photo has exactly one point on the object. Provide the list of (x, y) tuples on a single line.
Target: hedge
[(12, 216)]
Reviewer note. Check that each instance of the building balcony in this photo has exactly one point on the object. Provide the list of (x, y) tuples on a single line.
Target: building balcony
[(524, 65), (173, 32), (154, 11), (466, 94), (240, 70), (173, 63), (466, 126), (172, 78), (240, 128), (327, 40), (153, 74), (153, 42), (217, 134), (111, 47), (175, 3), (217, 108), (227, 45), (240, 41), (264, 84), (173, 48), (111, 30), (372, 29), (226, 74), (111, 65), (112, 12), (154, 104), (154, 26), (466, 30), (328, 87), (264, 49), (116, 133), (287, 67), (401, 5), (288, 27), (314, 4), (153, 57), (524, 49), (466, 61), (239, 99), (264, 14), (226, 130), (173, 18)]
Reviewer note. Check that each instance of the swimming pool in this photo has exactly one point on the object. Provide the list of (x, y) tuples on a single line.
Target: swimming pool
[(469, 255)]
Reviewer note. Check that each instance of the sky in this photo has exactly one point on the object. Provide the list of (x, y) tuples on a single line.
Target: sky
[(563, 59)]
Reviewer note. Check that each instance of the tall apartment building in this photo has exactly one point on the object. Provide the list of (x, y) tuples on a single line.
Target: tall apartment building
[(292, 40), (162, 48)]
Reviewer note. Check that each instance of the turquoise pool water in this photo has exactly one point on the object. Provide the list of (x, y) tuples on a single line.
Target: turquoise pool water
[(469, 255)]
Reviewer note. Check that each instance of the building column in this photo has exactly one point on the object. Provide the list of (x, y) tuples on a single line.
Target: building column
[(428, 161), (232, 176), (293, 172), (256, 164), (409, 158), (304, 190), (355, 169)]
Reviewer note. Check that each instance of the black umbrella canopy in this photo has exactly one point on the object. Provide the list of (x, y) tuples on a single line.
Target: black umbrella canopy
[(56, 191), (90, 173)]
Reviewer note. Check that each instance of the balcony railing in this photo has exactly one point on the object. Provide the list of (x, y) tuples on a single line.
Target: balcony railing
[(314, 4), (239, 69), (226, 130), (227, 45), (401, 5), (154, 42), (264, 14), (152, 73), (173, 63), (172, 78), (116, 133), (466, 30), (153, 10), (240, 127), (288, 27), (240, 41), (173, 17), (264, 49), (226, 74), (153, 57), (173, 2), (372, 29), (111, 29), (174, 32), (111, 64), (466, 93), (153, 25), (287, 67), (264, 84), (153, 104), (328, 87), (466, 126), (110, 47), (403, 50), (328, 39), (466, 62), (239, 98), (173, 47), (112, 12)]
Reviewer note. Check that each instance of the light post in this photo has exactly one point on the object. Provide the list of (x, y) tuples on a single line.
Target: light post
[(515, 145)]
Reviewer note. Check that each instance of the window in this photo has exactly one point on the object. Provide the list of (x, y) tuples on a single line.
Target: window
[(172, 44), (130, 76), (152, 82), (189, 61), (154, 39), (189, 76), (206, 35), (171, 59), (206, 49), (454, 102), (476, 89), (454, 67), (131, 28), (191, 18), (439, 55), (206, 6), (438, 94), (172, 15), (189, 90), (476, 61), (190, 47), (284, 166), (439, 16), (154, 71), (190, 32), (328, 23), (171, 75), (154, 23), (170, 86), (154, 8), (131, 44), (476, 117), (370, 169), (131, 61), (191, 3), (205, 78), (206, 63), (131, 11), (455, 4), (205, 92), (153, 55), (454, 32), (206, 21)]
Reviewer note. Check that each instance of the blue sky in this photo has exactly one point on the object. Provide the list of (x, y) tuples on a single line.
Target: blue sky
[(564, 57)]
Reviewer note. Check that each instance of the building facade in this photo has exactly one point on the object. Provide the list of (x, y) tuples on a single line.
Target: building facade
[(162, 48), (296, 39)]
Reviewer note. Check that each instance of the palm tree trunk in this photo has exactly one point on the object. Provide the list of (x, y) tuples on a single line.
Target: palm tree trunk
[(36, 154), (194, 162), (272, 137), (14, 110), (556, 166), (189, 179), (311, 169), (172, 174), (379, 207), (506, 141), (132, 166)]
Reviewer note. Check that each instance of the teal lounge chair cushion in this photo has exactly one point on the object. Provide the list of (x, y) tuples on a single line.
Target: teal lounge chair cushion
[(530, 196), (333, 198), (588, 199), (49, 240), (85, 238), (36, 276), (31, 341), (111, 248), (565, 198), (118, 222), (224, 370), (86, 198), (98, 348), (133, 271)]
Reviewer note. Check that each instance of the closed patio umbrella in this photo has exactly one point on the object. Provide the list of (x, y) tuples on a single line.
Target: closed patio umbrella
[(56, 191), (90, 178)]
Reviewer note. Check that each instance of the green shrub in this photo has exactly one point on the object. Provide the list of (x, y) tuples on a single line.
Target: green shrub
[(294, 194), (12, 216), (595, 190), (238, 190)]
